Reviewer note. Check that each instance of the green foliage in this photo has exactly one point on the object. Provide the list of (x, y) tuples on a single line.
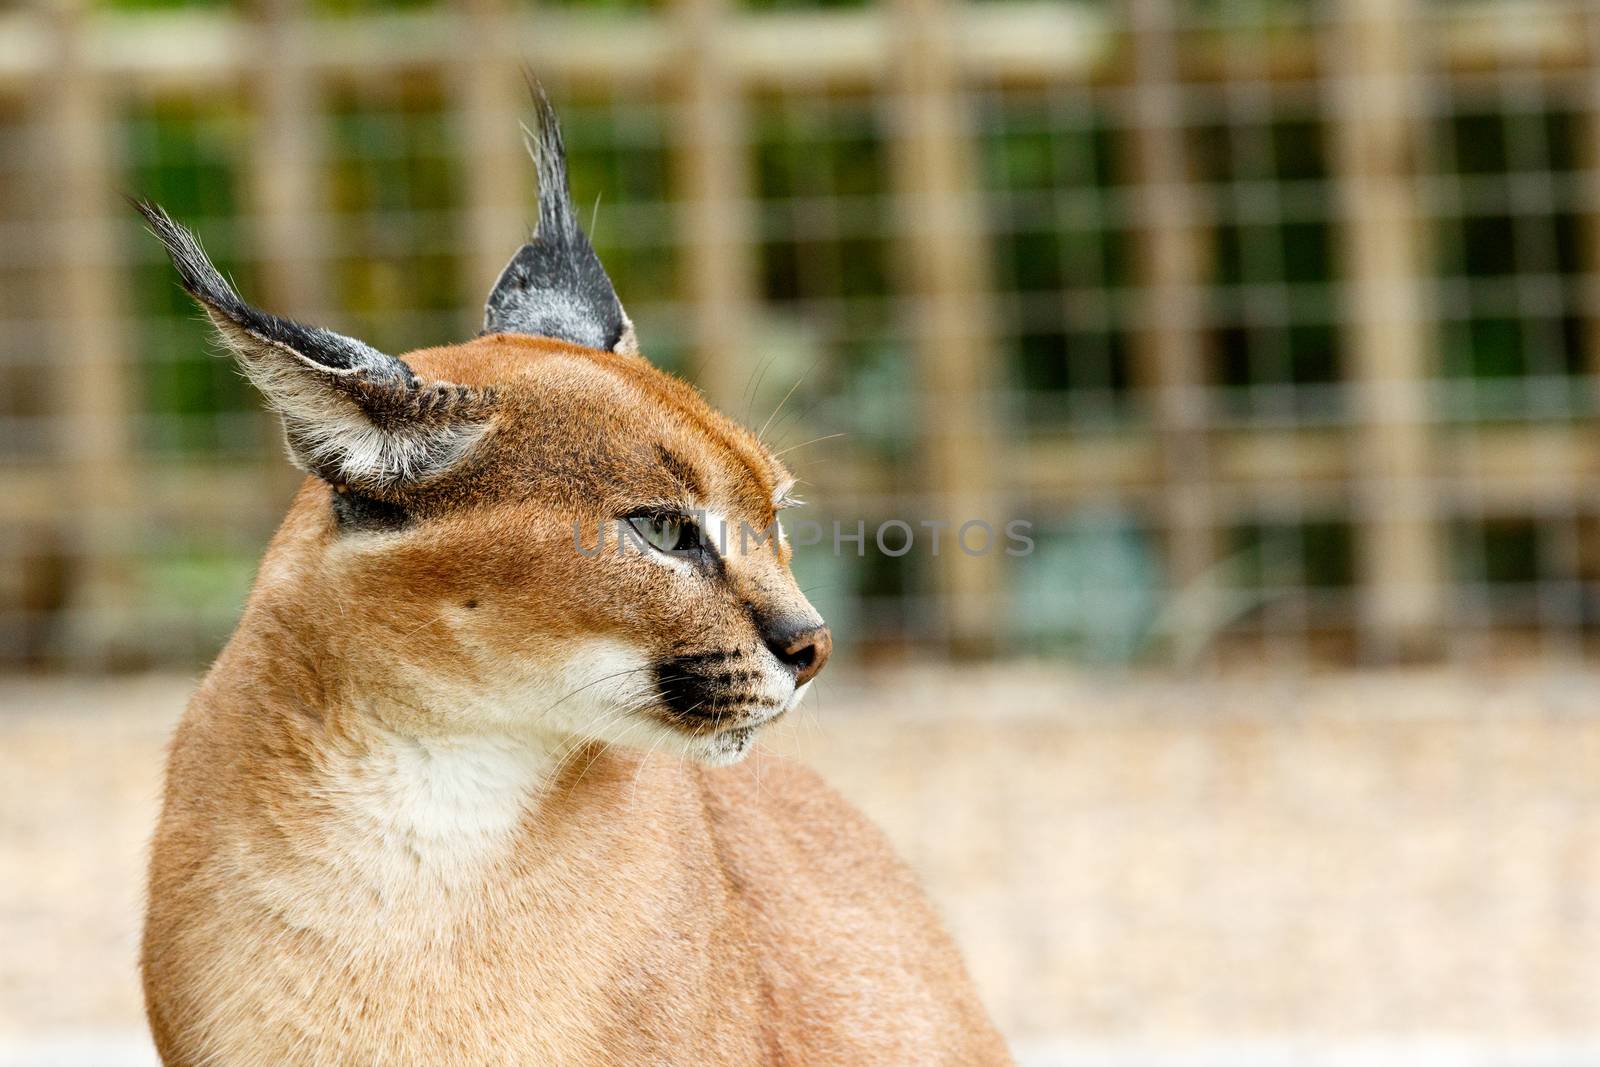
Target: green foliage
[(186, 586), (182, 154), (819, 168), (1310, 555), (395, 178), (617, 162), (1053, 171), (1500, 551)]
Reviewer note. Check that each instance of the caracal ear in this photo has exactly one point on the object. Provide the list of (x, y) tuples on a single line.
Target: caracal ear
[(555, 286), (352, 415)]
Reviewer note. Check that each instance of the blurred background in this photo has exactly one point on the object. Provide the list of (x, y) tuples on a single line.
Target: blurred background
[(1278, 320)]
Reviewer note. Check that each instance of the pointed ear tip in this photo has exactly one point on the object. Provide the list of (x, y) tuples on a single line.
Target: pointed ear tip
[(179, 241), (547, 124), (152, 212), (536, 90), (197, 275)]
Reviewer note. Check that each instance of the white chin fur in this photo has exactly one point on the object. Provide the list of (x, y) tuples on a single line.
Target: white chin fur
[(726, 748)]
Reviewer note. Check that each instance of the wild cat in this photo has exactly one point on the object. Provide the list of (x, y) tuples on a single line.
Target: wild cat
[(410, 817)]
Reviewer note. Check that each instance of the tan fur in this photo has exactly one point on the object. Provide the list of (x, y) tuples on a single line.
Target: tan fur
[(393, 832)]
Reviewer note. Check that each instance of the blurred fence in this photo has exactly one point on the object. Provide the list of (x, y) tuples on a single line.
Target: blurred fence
[(1278, 321)]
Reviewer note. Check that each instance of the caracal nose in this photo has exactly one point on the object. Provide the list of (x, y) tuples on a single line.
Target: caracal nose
[(803, 650)]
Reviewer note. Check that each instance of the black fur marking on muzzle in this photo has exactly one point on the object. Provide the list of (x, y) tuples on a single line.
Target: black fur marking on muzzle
[(698, 693)]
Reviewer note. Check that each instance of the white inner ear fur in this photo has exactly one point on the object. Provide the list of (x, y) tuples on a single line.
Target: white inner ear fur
[(327, 431)]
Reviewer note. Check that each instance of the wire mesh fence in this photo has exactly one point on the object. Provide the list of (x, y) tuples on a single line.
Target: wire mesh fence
[(1276, 322)]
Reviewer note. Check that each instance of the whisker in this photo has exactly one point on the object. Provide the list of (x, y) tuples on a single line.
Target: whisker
[(633, 791), (586, 685), (799, 414), (424, 626), (606, 745), (814, 440), (753, 386), (761, 433)]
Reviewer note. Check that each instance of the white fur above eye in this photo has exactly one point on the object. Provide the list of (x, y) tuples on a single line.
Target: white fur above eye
[(730, 538), (717, 532)]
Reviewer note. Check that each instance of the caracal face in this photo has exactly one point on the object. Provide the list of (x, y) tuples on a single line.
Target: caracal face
[(607, 565), (533, 532)]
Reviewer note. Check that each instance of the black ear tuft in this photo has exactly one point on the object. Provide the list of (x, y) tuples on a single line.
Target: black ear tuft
[(555, 286), (352, 415), (206, 284)]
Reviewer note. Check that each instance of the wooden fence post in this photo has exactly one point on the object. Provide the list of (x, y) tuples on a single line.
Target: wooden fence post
[(716, 232), (944, 250), (94, 399), (284, 184), (491, 101), (285, 151), (1591, 199), (1168, 338), (1377, 145)]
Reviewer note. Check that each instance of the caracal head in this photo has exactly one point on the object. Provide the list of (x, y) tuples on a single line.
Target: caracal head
[(535, 531)]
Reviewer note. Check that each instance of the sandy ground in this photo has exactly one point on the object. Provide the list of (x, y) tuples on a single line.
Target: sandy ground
[(1411, 860)]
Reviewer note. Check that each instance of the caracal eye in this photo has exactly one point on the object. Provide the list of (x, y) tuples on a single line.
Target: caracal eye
[(668, 533)]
